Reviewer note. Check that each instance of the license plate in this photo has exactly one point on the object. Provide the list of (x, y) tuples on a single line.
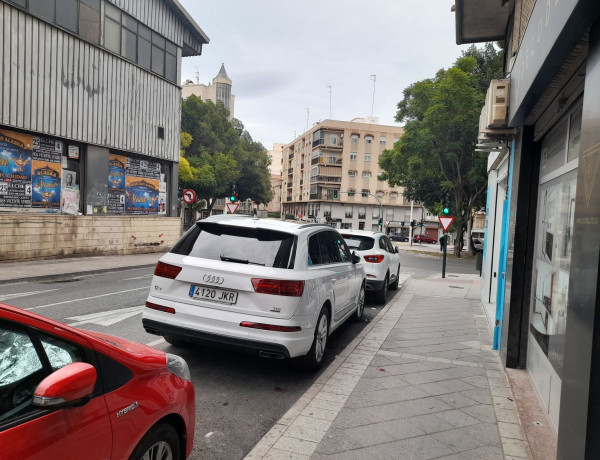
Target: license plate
[(213, 294)]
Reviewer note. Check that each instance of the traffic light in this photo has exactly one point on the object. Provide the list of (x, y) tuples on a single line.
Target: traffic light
[(232, 198), (446, 210), (446, 204), (381, 222), (413, 223), (401, 223), (335, 194), (420, 223)]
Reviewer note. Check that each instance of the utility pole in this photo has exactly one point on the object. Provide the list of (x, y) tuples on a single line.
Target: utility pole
[(374, 78), (329, 86), (410, 234)]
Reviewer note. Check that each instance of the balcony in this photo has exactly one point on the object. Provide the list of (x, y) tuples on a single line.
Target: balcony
[(362, 216), (290, 170), (291, 155), (289, 198), (289, 185), (328, 179)]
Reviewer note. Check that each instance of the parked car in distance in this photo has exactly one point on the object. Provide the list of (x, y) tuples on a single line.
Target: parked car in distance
[(424, 239), (398, 237), (478, 244), (379, 258), (72, 394), (274, 288)]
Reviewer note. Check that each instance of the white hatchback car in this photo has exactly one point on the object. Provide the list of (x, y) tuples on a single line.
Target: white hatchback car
[(379, 257), (276, 288)]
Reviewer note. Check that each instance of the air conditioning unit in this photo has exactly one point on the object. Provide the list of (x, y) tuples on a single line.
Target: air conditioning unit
[(496, 102)]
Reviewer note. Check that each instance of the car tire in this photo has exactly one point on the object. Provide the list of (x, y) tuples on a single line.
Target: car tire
[(161, 442), (381, 295), (358, 314), (176, 341), (394, 285), (313, 360)]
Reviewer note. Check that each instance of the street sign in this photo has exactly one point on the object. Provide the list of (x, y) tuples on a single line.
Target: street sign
[(232, 207), (446, 222), (387, 223), (189, 196)]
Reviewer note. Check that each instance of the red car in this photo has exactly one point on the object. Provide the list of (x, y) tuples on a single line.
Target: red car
[(424, 239), (72, 394)]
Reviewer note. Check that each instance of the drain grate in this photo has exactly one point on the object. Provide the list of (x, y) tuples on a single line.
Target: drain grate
[(452, 276), (457, 287)]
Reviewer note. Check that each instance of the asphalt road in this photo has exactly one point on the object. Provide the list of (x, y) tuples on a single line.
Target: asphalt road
[(238, 396)]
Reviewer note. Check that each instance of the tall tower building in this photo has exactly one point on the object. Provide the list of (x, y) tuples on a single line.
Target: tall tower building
[(218, 90)]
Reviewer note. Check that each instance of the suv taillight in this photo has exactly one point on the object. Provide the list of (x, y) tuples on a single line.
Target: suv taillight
[(278, 287), (376, 259), (166, 270)]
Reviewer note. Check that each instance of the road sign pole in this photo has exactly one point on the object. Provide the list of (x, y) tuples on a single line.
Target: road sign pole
[(444, 258)]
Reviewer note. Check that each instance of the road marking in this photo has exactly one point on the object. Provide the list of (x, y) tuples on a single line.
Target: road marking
[(138, 278), (106, 318), (85, 298), (23, 294), (155, 342)]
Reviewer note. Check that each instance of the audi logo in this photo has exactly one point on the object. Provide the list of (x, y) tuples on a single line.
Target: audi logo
[(213, 279)]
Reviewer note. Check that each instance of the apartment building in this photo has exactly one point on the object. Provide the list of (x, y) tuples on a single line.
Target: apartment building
[(331, 174), (219, 90)]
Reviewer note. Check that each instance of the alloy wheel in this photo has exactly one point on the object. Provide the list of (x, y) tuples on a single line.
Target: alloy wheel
[(159, 451), (321, 339)]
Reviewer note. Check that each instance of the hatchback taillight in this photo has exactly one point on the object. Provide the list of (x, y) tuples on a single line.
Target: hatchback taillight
[(167, 270), (278, 287), (155, 306), (375, 259)]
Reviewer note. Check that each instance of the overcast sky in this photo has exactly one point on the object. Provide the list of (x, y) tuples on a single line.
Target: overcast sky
[(282, 55)]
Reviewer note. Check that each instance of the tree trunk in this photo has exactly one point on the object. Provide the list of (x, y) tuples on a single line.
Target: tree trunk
[(210, 202)]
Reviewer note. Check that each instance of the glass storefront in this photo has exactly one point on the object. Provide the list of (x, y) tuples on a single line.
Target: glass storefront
[(554, 228)]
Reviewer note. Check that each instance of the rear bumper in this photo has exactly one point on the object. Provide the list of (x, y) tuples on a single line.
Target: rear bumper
[(374, 285), (216, 340)]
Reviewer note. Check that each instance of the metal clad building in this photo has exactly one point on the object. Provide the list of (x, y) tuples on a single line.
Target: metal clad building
[(97, 80)]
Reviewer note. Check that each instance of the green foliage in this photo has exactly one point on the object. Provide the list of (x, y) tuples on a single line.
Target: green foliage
[(276, 215), (436, 154), (218, 153)]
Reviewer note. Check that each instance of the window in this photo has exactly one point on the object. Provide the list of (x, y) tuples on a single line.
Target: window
[(333, 139), (366, 174), (66, 14), (361, 225), (362, 213), (349, 213), (42, 8), (367, 157), (354, 138), (238, 245), (382, 140), (351, 192), (365, 192), (329, 247), (368, 139), (89, 20), (353, 156), (352, 174)]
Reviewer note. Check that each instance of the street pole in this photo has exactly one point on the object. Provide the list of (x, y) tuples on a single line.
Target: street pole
[(410, 233), (444, 258)]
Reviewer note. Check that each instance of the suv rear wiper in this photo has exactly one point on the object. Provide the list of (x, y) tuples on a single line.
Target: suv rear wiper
[(239, 261)]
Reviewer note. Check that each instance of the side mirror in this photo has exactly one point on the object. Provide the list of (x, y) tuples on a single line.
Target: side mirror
[(355, 258), (396, 250), (67, 386)]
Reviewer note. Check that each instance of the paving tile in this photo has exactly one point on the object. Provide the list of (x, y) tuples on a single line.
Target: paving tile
[(457, 400), (482, 412), (336, 441), (515, 447), (478, 381), (511, 430), (401, 429), (482, 396), (419, 407), (368, 435), (420, 448), (367, 415), (429, 423), (508, 416), (457, 418), (383, 383), (302, 432), (446, 386), (277, 454), (458, 439), (380, 397), (297, 446), (479, 453), (486, 433), (311, 422)]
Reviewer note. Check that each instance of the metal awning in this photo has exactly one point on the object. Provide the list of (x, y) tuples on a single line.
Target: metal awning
[(481, 20)]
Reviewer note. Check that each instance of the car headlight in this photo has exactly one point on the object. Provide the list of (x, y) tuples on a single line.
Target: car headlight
[(178, 366)]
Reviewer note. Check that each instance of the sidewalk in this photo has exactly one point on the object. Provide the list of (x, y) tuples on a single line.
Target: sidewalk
[(420, 382), (12, 272)]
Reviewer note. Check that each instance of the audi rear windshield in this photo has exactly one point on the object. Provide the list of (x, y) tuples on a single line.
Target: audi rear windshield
[(243, 245), (359, 243)]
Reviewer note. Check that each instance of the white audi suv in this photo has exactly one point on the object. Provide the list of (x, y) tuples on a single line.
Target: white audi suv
[(275, 288)]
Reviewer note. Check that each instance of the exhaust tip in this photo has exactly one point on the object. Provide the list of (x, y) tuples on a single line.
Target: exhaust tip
[(270, 354)]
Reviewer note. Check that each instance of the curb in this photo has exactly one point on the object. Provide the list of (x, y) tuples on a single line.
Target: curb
[(72, 274)]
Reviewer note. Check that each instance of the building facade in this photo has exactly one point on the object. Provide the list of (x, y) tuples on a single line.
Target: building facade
[(331, 174), (543, 211), (90, 108), (219, 90)]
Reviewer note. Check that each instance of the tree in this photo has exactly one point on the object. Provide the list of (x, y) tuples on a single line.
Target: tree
[(436, 155), (218, 154)]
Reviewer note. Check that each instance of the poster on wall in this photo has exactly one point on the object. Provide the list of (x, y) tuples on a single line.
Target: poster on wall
[(143, 168), (141, 195), (116, 184), (45, 182), (15, 169)]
